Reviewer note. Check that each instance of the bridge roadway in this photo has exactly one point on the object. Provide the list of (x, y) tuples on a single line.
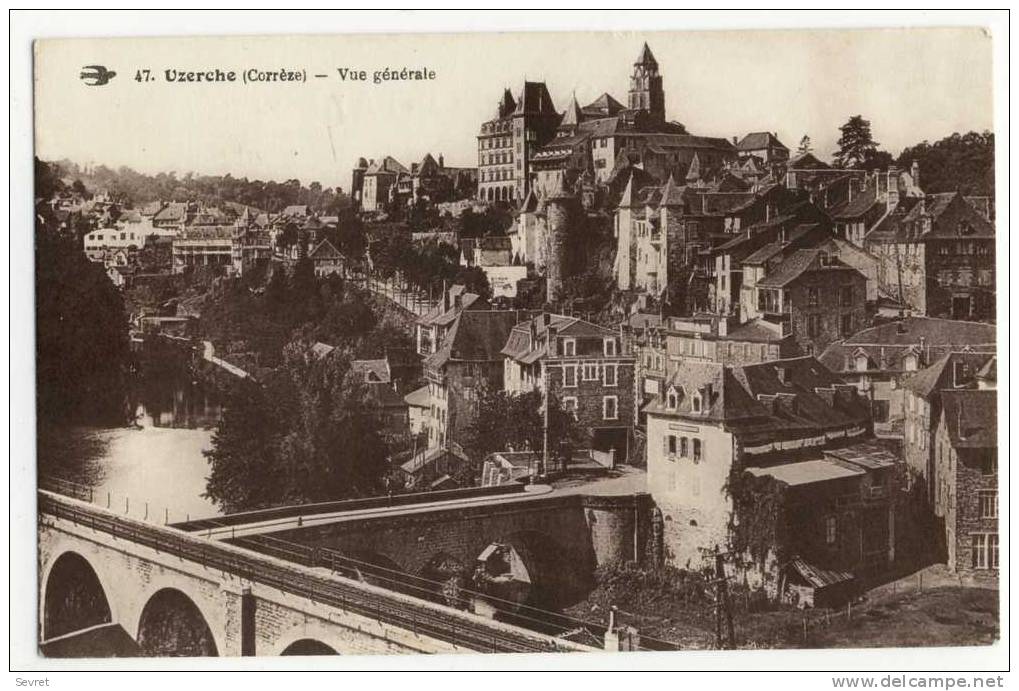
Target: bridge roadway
[(247, 598), (315, 516)]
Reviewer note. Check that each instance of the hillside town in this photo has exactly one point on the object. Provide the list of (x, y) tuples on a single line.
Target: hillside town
[(792, 358)]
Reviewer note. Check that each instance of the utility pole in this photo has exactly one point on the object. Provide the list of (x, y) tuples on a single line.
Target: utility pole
[(722, 603)]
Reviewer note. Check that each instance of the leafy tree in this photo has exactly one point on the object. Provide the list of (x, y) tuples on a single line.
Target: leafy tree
[(244, 472), (82, 349), (963, 162), (503, 421), (856, 145), (311, 435)]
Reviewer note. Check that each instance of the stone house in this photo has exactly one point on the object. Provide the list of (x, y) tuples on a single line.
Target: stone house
[(712, 420), (588, 367), (875, 359), (966, 480), (815, 296), (921, 394)]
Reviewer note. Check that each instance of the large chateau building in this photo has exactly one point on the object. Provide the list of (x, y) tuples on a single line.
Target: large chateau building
[(530, 145)]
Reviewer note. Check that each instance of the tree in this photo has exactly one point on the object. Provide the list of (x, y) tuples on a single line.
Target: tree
[(856, 145), (312, 434), (82, 348), (963, 162), (506, 421), (805, 146), (244, 472)]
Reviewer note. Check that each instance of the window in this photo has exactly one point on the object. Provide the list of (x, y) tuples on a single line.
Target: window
[(814, 325), (846, 324), (846, 296), (569, 347), (813, 297), (610, 408), (984, 550), (672, 400), (670, 445), (610, 375), (697, 449), (570, 376), (989, 504), (831, 525), (695, 401), (684, 447), (610, 347), (590, 371)]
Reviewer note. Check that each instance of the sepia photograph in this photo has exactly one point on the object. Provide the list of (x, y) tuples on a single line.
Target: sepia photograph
[(606, 342)]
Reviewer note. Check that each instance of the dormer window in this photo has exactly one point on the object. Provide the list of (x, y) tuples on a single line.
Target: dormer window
[(695, 402), (672, 399), (909, 363)]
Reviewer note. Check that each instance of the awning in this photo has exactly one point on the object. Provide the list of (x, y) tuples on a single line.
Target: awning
[(818, 577)]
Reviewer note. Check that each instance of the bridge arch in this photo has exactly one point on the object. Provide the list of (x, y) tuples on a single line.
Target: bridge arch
[(544, 575), (171, 624), (73, 597), (308, 646), (310, 637)]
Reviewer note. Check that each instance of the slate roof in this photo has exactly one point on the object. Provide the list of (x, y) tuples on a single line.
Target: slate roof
[(604, 105), (759, 140), (740, 399), (387, 165), (518, 343), (799, 263), (476, 335), (861, 204), (971, 417), (886, 344), (940, 374)]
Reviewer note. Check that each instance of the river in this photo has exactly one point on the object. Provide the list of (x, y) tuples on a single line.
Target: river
[(154, 469)]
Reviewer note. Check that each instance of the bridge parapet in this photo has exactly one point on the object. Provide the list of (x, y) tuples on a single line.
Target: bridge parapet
[(252, 595)]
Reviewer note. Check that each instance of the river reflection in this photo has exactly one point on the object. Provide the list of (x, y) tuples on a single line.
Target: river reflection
[(155, 468)]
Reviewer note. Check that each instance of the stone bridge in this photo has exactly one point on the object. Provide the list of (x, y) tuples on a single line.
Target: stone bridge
[(166, 591), (560, 537)]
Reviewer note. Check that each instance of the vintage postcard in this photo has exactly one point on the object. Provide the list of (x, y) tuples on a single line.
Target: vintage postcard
[(551, 343)]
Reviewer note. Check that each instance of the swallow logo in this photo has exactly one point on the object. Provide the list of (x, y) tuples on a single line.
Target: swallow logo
[(96, 75)]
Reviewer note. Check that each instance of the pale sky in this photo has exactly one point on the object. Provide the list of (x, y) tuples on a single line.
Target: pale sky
[(912, 85)]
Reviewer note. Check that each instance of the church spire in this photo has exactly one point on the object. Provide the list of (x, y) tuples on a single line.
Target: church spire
[(572, 116), (646, 58)]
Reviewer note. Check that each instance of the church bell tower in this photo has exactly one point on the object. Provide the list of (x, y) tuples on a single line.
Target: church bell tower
[(646, 91)]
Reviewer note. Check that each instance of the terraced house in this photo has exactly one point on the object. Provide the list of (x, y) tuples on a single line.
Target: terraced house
[(588, 367)]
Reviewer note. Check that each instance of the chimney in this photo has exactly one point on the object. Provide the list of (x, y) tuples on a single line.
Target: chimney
[(735, 141), (893, 187), (546, 319), (552, 333), (780, 371)]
